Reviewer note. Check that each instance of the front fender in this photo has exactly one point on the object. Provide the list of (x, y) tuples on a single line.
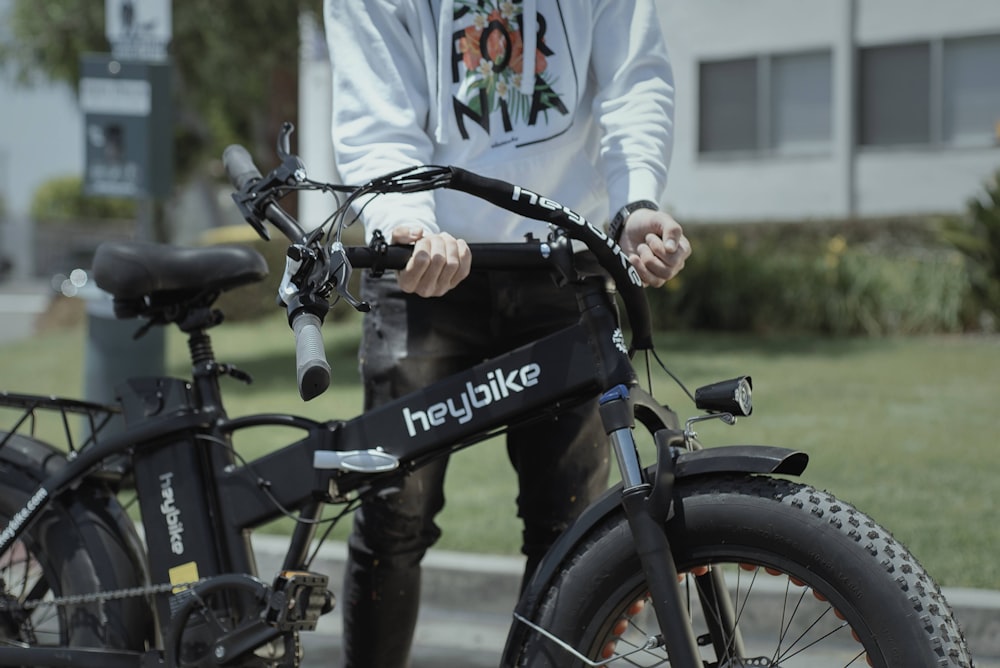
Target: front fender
[(760, 459), (741, 459)]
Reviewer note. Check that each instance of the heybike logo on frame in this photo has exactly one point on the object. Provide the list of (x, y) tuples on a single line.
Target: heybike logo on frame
[(499, 385), (175, 529), (23, 514), (534, 199)]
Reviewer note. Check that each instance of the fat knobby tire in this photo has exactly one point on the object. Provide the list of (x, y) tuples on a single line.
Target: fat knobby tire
[(80, 545), (896, 610)]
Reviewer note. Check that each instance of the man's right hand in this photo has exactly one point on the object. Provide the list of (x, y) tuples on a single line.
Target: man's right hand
[(439, 261)]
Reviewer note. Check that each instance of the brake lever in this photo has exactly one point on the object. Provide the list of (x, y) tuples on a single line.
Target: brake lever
[(291, 170), (284, 140), (340, 276)]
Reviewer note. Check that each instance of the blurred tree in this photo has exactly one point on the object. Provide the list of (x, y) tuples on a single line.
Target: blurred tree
[(977, 236), (62, 199), (235, 65)]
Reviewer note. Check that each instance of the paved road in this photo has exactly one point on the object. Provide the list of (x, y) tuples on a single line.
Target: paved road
[(459, 640), (20, 304), (443, 640)]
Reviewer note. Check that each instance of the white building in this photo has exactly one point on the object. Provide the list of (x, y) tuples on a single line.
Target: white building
[(41, 137), (794, 109)]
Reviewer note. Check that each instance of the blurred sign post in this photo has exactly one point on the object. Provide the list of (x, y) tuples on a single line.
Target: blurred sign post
[(125, 97), (129, 134)]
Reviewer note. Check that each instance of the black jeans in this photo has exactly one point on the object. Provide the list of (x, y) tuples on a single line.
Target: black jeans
[(561, 464)]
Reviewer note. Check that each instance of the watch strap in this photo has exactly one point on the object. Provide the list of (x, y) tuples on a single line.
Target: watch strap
[(618, 222)]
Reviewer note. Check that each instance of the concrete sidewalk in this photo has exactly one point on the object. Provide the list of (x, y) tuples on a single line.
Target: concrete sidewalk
[(467, 600), (20, 305)]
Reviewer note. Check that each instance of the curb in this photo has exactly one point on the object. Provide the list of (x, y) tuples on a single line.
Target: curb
[(456, 582), (20, 306), (485, 587)]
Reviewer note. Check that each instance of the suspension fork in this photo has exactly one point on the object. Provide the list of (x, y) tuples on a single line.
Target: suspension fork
[(651, 542)]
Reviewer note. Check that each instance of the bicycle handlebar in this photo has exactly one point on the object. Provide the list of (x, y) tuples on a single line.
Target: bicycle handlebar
[(512, 256), (245, 177), (311, 365), (256, 197), (608, 253)]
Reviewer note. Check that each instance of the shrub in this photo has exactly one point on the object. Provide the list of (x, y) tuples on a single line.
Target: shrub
[(870, 278), (977, 237), (873, 278), (257, 300), (878, 294), (63, 199), (69, 225)]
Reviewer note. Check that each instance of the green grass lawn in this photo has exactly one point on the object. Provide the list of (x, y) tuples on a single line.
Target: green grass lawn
[(905, 429)]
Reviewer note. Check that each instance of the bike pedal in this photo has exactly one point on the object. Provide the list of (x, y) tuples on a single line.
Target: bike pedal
[(297, 600)]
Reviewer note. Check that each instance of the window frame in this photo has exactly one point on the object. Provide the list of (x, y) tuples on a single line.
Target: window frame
[(763, 140), (936, 114)]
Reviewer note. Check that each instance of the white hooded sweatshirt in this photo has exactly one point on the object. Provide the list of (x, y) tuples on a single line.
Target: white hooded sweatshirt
[(590, 125)]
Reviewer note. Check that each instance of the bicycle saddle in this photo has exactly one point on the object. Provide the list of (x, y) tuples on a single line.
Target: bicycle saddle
[(130, 270)]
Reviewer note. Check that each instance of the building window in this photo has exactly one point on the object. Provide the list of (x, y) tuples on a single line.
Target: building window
[(895, 95), (766, 104), (970, 91), (727, 98), (801, 102), (940, 92)]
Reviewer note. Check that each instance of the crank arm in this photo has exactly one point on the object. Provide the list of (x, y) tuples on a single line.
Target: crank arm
[(242, 640)]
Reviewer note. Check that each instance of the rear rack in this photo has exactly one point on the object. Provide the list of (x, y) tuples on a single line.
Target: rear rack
[(97, 415)]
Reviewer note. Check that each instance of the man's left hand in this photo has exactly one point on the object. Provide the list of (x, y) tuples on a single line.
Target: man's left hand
[(655, 244)]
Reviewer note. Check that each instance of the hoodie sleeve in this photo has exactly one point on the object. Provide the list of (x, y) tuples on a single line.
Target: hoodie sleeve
[(635, 100), (380, 104)]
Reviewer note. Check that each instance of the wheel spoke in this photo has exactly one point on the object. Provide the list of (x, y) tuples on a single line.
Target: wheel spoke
[(788, 653), (802, 631), (784, 628), (735, 530)]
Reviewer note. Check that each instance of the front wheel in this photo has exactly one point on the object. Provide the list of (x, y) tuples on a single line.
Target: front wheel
[(812, 582)]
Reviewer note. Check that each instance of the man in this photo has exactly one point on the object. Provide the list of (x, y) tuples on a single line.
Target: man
[(570, 98)]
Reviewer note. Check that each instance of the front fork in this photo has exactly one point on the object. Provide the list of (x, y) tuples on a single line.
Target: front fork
[(647, 507)]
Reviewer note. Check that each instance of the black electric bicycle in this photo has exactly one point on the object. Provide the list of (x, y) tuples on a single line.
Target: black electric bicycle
[(709, 557)]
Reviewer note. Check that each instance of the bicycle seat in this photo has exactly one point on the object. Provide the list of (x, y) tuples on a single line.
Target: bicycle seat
[(130, 270)]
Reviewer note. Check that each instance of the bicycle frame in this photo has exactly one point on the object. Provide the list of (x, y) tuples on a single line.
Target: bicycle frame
[(199, 503)]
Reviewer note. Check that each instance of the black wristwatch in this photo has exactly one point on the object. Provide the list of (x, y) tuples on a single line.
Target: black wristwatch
[(618, 222)]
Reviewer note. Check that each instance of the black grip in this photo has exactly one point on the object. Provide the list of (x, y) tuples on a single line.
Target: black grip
[(239, 166), (312, 369), (365, 257), (505, 256)]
